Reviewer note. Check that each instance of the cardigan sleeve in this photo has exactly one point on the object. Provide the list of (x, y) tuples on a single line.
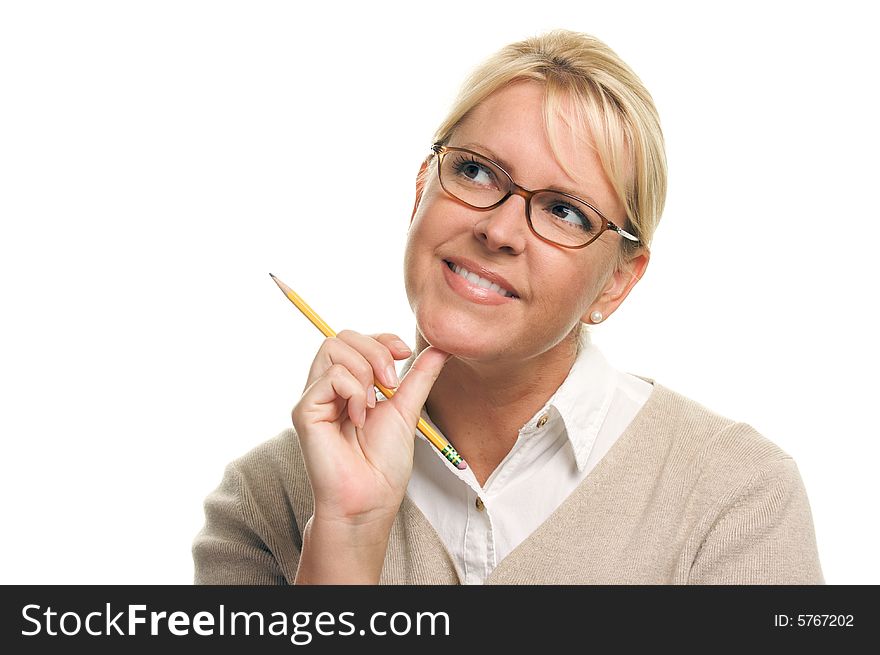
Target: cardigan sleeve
[(765, 536), (230, 549)]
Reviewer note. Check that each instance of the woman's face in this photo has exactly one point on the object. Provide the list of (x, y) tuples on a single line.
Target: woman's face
[(555, 287)]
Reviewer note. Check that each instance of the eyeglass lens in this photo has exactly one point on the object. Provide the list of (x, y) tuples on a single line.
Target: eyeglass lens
[(555, 216)]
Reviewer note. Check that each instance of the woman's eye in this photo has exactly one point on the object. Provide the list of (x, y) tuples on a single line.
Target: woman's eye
[(569, 214), (474, 172)]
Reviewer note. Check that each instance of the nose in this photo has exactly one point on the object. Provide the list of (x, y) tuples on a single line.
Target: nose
[(504, 228)]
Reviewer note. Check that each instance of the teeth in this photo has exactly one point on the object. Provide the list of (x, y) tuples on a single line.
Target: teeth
[(475, 279)]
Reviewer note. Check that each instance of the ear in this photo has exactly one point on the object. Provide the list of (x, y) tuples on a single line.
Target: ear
[(619, 284), (420, 186)]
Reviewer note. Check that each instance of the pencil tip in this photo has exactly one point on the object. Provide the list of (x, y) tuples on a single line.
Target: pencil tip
[(272, 276)]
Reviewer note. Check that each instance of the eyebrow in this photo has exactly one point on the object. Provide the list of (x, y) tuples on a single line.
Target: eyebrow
[(488, 152)]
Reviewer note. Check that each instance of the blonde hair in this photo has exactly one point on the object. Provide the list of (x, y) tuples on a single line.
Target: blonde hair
[(601, 93)]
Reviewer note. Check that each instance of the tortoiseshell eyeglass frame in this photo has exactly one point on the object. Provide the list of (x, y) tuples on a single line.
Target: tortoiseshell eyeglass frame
[(515, 189)]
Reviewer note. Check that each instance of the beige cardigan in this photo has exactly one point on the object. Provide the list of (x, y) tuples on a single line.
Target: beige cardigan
[(684, 496)]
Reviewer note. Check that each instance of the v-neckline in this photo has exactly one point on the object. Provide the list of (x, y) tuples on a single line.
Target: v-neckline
[(601, 470)]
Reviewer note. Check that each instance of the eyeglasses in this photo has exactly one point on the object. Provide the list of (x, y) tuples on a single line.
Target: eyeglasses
[(553, 216)]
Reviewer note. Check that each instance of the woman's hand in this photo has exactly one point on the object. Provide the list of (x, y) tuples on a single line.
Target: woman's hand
[(359, 453)]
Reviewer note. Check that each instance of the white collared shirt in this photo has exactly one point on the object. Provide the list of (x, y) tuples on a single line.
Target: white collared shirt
[(554, 451)]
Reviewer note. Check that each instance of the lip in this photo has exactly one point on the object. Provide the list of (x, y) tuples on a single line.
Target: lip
[(474, 267), (472, 292)]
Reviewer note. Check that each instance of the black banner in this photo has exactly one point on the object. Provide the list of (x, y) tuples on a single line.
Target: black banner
[(45, 619)]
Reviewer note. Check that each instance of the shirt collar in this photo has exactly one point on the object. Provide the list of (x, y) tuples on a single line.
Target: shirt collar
[(581, 402)]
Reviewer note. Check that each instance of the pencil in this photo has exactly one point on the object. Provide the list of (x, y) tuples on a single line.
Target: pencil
[(439, 442)]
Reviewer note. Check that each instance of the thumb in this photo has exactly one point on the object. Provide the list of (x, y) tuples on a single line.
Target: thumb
[(413, 391)]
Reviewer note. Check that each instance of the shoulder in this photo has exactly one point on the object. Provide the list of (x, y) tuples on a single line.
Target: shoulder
[(254, 519), (275, 457), (693, 425), (272, 481), (699, 440), (748, 513), (278, 459)]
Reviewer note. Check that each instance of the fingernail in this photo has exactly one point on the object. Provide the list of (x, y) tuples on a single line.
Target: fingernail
[(363, 418), (371, 398), (391, 376), (397, 343), (446, 355)]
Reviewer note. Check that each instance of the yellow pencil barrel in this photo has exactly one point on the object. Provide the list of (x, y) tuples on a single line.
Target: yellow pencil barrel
[(439, 442)]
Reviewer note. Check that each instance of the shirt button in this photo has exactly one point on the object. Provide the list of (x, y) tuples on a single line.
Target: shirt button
[(478, 503), (542, 421)]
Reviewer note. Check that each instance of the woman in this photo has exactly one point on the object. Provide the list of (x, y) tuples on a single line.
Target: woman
[(534, 213)]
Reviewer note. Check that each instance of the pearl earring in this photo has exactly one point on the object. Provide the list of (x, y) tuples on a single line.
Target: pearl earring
[(596, 316)]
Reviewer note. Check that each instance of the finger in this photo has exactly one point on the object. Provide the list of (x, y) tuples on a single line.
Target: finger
[(397, 346), (376, 353), (337, 351), (410, 397), (320, 402)]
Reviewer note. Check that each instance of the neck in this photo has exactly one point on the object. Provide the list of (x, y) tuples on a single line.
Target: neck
[(480, 406)]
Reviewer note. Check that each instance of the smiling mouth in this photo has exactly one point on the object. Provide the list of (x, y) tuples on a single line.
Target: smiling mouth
[(476, 280)]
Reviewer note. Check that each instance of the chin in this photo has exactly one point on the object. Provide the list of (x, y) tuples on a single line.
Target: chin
[(457, 339)]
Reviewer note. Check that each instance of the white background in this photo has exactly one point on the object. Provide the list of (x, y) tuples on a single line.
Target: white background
[(159, 159)]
